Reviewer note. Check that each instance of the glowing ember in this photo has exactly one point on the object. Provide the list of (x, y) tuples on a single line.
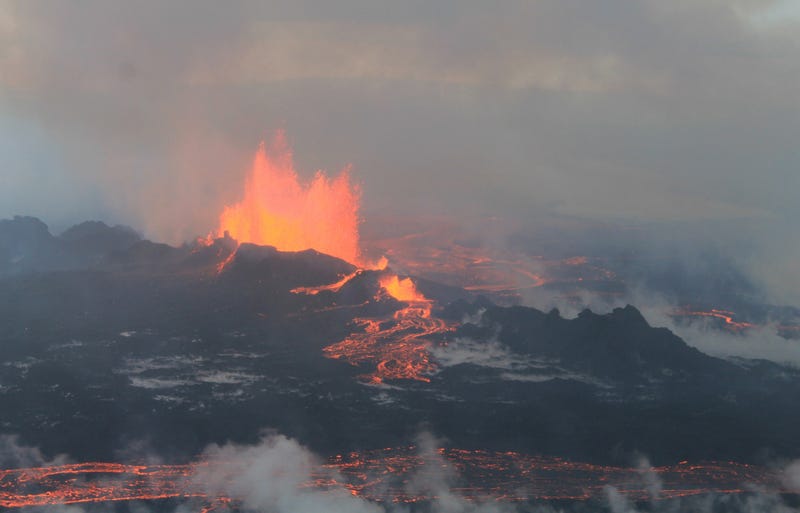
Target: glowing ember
[(397, 347), (401, 289), (101, 482), (279, 210), (384, 475), (332, 287), (438, 254), (725, 316)]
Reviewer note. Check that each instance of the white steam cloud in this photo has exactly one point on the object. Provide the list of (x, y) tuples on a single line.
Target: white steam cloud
[(273, 476), (15, 454)]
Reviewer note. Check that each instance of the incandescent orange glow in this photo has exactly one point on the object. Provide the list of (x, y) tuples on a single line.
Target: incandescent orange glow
[(715, 313), (401, 289), (383, 475), (397, 348), (279, 210)]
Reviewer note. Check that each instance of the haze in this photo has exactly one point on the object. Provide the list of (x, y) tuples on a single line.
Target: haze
[(149, 114)]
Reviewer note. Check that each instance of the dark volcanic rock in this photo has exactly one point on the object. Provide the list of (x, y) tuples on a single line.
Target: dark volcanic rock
[(26, 244), (95, 239), (168, 345), (620, 345)]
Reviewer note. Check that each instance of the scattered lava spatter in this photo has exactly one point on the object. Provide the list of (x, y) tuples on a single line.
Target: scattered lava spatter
[(384, 475), (279, 210), (397, 347)]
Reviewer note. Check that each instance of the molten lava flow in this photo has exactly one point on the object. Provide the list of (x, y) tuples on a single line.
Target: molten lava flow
[(384, 475), (402, 289), (437, 253), (279, 210), (332, 287), (727, 317), (443, 252), (102, 482), (397, 347)]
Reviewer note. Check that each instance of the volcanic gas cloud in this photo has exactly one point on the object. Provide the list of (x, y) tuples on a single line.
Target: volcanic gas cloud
[(280, 210)]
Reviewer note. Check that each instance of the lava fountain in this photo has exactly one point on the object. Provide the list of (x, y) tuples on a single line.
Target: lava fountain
[(278, 209), (402, 289)]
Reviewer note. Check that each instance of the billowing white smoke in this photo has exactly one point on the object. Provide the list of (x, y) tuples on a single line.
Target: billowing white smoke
[(14, 454), (650, 481), (274, 475), (757, 501), (791, 476), (270, 476), (437, 479), (759, 342)]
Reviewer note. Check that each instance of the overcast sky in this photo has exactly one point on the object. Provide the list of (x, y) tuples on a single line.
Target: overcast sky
[(149, 112)]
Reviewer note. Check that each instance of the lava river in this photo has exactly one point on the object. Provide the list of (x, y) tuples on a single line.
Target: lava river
[(397, 348), (384, 475)]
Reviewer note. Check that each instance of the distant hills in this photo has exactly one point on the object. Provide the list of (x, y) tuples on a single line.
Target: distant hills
[(26, 244)]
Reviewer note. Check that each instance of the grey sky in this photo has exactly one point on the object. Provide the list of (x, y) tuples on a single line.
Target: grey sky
[(149, 112)]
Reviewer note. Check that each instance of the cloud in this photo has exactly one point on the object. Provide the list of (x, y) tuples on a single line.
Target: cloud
[(273, 475), (791, 476), (149, 113), (759, 342), (753, 500), (762, 342), (14, 454), (489, 353), (270, 476)]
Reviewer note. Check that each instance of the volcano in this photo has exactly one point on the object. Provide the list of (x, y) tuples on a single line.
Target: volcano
[(279, 210), (275, 320), (150, 338)]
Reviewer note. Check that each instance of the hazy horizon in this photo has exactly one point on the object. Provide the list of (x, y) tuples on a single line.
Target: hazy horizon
[(679, 113)]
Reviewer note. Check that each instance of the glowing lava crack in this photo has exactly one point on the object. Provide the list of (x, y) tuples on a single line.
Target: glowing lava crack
[(383, 475), (397, 347)]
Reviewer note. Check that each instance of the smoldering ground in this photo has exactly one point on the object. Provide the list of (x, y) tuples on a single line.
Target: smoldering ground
[(273, 475)]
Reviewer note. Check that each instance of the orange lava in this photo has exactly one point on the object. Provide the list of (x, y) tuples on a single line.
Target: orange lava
[(333, 287), (383, 475), (224, 262), (444, 252), (93, 482), (402, 289), (724, 315), (397, 347), (280, 210)]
